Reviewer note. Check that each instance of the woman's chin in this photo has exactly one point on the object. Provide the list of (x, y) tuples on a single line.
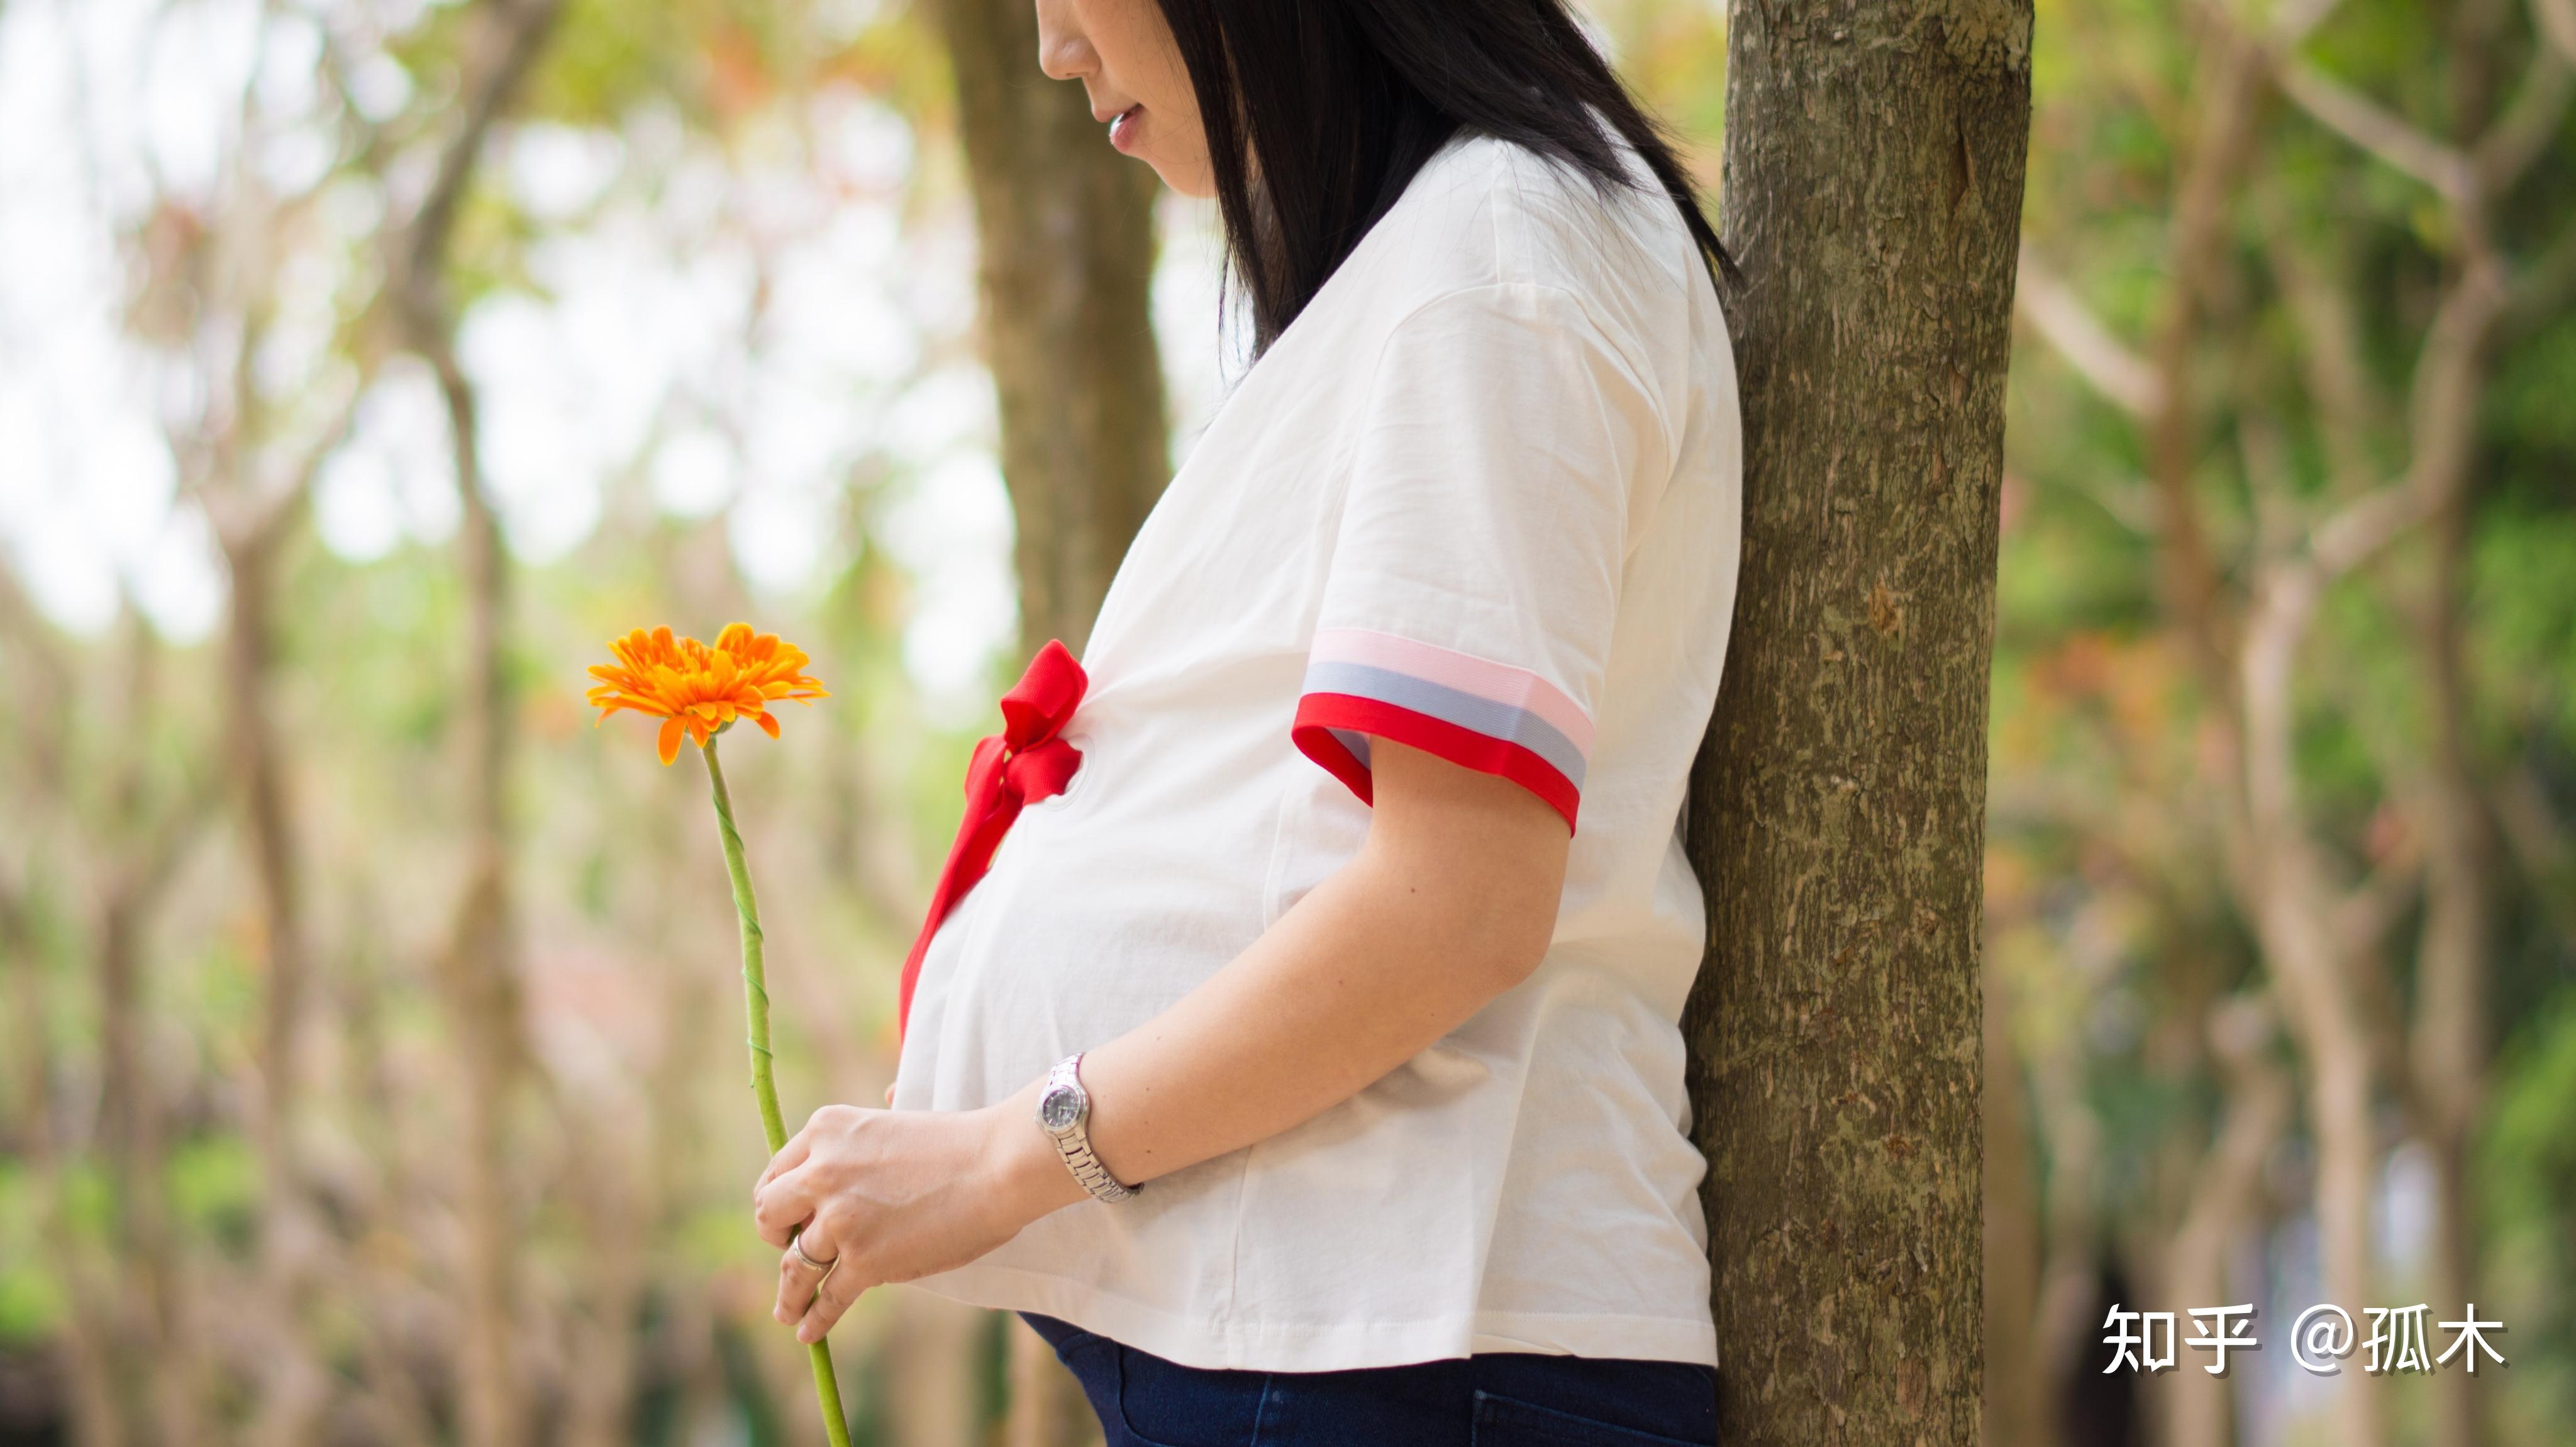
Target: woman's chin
[(1195, 182)]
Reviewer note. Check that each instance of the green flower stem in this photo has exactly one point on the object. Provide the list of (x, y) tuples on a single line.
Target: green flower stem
[(764, 1086)]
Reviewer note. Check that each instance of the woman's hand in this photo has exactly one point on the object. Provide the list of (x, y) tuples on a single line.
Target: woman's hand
[(891, 1196)]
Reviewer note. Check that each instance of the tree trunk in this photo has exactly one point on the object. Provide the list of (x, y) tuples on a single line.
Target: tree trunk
[(1873, 180), (151, 1310), (1066, 234), (478, 972), (478, 969), (2449, 1048), (613, 1190), (2200, 1410), (2291, 900), (296, 1390), (1065, 229)]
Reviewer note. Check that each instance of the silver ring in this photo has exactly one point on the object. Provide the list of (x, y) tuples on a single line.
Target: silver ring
[(796, 1248)]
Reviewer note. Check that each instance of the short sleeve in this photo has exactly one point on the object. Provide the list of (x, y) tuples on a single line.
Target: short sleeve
[(1473, 587)]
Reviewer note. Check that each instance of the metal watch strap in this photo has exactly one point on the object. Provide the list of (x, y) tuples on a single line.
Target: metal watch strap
[(1074, 1142)]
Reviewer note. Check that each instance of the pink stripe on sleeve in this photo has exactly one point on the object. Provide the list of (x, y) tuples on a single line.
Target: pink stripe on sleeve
[(1495, 682)]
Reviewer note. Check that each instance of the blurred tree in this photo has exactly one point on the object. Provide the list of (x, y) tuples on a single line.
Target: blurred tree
[(479, 970), (39, 788), (1067, 260), (2014, 1402), (214, 275), (147, 837), (2270, 374), (207, 271), (150, 821), (1872, 193), (340, 132)]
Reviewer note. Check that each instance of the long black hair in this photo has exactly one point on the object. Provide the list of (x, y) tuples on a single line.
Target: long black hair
[(1319, 113)]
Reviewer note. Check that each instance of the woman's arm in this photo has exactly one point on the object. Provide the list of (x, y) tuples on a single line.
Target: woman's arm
[(1449, 903)]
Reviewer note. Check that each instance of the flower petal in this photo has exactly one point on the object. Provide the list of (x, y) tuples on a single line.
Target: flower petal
[(698, 690)]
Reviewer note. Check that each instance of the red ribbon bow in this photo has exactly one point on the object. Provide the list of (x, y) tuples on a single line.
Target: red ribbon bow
[(1022, 764)]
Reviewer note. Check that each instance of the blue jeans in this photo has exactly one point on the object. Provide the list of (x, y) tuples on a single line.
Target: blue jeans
[(1496, 1400)]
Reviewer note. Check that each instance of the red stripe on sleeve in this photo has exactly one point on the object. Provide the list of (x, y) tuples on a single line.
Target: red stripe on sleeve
[(1320, 713)]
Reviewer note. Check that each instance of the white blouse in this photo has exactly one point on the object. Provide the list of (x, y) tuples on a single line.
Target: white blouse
[(1481, 497)]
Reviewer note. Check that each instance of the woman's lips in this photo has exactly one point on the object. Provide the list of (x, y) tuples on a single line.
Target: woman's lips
[(1122, 129)]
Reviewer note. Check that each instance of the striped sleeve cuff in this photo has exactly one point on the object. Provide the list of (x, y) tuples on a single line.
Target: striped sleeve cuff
[(1482, 715)]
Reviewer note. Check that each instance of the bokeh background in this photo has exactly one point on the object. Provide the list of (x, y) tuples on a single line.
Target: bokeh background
[(2284, 733)]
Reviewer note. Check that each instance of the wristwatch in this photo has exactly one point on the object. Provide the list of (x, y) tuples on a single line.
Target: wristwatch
[(1064, 1113)]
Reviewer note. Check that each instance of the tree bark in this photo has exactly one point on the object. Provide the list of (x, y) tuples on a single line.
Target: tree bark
[(1872, 193), (1066, 234)]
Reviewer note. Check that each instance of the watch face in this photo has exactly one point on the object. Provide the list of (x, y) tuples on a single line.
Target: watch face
[(1060, 1107)]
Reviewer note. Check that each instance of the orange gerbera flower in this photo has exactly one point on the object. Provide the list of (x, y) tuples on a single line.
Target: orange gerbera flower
[(696, 689)]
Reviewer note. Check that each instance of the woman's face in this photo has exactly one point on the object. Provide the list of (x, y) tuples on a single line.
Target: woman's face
[(1123, 53)]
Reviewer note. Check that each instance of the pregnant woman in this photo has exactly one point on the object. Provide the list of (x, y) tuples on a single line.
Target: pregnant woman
[(1306, 1066)]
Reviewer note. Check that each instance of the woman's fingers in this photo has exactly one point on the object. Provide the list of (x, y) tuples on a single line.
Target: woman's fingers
[(796, 1279), (840, 1288), (789, 1157), (781, 1205)]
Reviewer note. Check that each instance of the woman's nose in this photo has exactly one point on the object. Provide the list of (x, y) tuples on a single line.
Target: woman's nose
[(1063, 52)]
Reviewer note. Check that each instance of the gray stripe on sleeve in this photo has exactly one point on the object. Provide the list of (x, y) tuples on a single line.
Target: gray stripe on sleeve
[(1466, 710)]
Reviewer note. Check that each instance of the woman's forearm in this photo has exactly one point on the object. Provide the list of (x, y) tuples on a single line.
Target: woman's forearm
[(1450, 903)]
